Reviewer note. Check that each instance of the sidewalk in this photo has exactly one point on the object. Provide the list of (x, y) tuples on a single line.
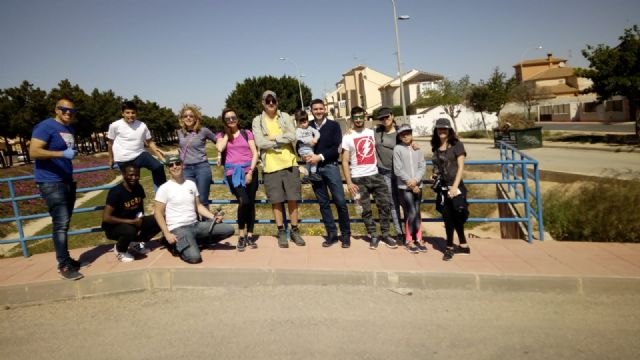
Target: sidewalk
[(494, 265)]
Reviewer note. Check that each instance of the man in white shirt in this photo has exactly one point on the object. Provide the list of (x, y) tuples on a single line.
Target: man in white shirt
[(361, 174), (177, 207), (126, 141)]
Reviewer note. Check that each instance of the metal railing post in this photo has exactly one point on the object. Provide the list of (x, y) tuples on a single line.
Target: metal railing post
[(16, 214)]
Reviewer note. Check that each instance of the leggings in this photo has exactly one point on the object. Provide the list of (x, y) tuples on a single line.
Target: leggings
[(246, 196), (411, 205), (453, 220)]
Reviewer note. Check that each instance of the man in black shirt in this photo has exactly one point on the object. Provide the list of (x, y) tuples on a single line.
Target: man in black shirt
[(123, 218)]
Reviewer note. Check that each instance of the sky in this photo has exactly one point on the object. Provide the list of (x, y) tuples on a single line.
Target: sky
[(178, 52)]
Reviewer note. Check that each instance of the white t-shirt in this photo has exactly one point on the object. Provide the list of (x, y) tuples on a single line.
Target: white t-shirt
[(362, 151), (128, 139), (180, 201)]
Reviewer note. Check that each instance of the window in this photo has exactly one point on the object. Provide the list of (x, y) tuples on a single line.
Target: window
[(561, 109), (613, 105), (590, 107), (545, 110)]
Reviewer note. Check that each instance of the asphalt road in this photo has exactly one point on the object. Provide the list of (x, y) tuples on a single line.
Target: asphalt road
[(307, 322), (617, 128)]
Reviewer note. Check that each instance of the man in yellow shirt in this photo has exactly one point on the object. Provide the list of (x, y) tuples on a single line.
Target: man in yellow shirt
[(275, 136)]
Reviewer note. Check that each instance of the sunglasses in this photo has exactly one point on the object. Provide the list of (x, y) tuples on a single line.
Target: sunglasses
[(174, 163), (188, 116), (384, 118), (231, 118), (65, 109), (270, 101), (358, 117)]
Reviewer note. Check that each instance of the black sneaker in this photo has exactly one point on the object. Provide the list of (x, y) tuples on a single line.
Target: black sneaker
[(448, 254), (412, 248), (346, 241), (251, 242), (373, 245), (79, 264), (421, 247), (401, 239), (389, 241), (462, 250), (315, 177), (69, 272), (296, 238), (331, 239), (282, 239), (242, 243)]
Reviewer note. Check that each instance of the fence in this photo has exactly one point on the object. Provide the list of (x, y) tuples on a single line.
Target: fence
[(515, 174)]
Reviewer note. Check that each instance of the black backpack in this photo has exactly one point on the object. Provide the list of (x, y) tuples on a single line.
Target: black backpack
[(223, 156)]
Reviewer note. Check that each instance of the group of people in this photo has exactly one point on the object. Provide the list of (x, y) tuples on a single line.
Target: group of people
[(383, 163)]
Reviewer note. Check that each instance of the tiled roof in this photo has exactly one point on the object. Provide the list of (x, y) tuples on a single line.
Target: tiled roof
[(554, 60), (554, 73)]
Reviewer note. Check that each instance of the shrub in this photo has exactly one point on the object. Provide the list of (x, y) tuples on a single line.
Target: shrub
[(516, 121), (606, 210)]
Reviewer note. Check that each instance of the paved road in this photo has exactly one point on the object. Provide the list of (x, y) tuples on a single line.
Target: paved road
[(624, 165), (625, 127), (306, 322)]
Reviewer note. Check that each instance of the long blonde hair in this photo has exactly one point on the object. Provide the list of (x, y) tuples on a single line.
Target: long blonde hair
[(196, 112)]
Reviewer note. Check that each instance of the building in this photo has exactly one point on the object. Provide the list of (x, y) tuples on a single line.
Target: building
[(415, 82), (358, 87)]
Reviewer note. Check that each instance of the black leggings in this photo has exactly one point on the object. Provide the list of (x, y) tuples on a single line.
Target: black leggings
[(411, 206), (246, 202), (453, 219)]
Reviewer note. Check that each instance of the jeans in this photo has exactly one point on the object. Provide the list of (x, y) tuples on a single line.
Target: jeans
[(190, 236), (200, 174), (392, 185), (125, 234), (374, 185), (60, 199), (307, 150), (246, 196), (145, 160), (332, 181)]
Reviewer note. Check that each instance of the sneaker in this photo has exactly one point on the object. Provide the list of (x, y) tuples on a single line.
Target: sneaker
[(251, 242), (139, 248), (401, 239), (389, 241), (331, 239), (79, 264), (69, 272), (123, 256), (282, 239), (374, 242), (448, 254), (242, 243), (296, 238), (412, 248), (462, 250), (346, 241), (421, 247), (315, 177)]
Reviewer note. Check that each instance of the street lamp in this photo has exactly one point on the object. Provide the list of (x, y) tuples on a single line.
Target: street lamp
[(395, 24), (539, 47), (299, 86)]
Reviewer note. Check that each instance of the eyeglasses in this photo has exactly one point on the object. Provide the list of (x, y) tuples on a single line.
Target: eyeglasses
[(65, 109), (357, 117), (174, 163), (270, 101), (231, 118)]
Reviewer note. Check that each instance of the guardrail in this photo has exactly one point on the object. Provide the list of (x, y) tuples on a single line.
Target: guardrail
[(512, 170)]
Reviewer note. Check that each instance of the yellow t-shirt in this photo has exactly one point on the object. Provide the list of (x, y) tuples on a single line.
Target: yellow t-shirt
[(278, 158)]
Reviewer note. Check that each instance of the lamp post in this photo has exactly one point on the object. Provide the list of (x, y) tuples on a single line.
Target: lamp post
[(299, 86), (539, 47), (395, 24)]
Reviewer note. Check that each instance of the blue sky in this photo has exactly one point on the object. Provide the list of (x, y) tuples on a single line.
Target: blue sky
[(176, 52)]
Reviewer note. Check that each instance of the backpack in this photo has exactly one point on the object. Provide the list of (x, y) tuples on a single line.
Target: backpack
[(223, 156)]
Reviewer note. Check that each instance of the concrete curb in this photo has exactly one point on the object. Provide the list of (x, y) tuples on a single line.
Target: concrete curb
[(181, 278)]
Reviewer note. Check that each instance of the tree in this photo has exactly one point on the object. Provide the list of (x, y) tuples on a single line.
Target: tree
[(27, 106), (492, 95), (525, 94), (616, 71), (451, 97), (246, 98)]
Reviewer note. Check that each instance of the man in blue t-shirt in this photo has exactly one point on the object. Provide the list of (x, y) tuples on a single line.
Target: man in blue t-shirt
[(53, 148)]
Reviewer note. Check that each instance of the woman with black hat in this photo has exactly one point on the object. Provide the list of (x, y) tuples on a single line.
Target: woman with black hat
[(451, 201)]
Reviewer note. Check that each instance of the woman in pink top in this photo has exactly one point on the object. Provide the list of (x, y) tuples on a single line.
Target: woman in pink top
[(238, 153)]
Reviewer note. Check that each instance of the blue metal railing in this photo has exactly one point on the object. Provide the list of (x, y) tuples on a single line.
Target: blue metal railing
[(513, 172)]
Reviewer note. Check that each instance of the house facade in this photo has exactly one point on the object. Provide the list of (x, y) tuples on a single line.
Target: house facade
[(414, 82)]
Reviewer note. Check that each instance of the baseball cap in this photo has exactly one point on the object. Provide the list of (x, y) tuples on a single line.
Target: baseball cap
[(403, 128), (169, 158), (268, 93), (443, 123), (384, 112)]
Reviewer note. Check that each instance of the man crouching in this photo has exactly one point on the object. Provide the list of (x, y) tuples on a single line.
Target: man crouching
[(177, 208)]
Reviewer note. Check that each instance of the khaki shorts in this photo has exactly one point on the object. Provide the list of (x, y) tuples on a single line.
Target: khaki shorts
[(283, 185)]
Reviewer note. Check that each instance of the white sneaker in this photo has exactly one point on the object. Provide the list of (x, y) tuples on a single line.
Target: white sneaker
[(123, 256), (139, 248)]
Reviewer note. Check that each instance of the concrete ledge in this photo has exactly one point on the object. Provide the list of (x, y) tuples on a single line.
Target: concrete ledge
[(182, 278)]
